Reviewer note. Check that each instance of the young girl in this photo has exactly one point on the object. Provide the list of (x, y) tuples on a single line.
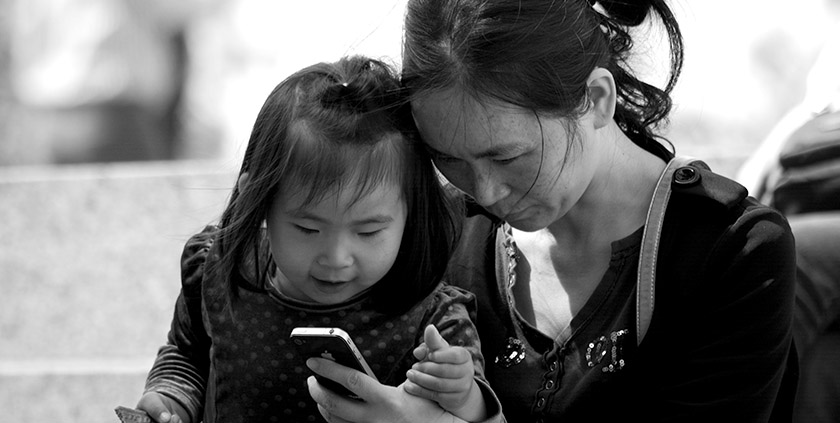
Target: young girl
[(337, 220)]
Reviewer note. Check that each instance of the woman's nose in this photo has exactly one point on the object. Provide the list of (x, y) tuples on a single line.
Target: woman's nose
[(488, 187)]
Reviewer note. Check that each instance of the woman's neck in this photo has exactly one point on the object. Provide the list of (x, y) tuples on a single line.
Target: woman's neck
[(616, 202)]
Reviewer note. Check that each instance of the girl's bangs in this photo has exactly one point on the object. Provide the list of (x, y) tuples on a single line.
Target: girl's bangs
[(321, 167)]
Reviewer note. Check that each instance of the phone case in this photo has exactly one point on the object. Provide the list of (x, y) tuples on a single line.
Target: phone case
[(332, 344), (130, 415)]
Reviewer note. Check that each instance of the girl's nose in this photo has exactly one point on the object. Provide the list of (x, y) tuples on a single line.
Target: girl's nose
[(336, 253)]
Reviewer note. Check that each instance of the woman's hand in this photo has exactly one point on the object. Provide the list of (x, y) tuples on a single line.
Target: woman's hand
[(380, 403)]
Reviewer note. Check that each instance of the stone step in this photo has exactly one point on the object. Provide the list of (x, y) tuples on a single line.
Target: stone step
[(71, 398), (89, 266)]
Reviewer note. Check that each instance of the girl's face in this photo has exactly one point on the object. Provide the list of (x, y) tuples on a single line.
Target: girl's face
[(330, 251), (504, 157)]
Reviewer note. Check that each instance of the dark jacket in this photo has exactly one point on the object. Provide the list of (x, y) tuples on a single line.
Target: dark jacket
[(719, 347)]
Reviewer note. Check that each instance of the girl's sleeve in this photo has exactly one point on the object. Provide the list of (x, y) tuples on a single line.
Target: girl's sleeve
[(453, 316), (181, 368)]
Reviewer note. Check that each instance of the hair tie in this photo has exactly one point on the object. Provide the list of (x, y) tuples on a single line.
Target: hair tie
[(342, 95)]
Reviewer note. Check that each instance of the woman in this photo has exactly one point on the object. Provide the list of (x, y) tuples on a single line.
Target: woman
[(532, 110)]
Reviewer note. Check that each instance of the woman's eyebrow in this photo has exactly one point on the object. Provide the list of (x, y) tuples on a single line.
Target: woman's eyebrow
[(494, 151), (498, 150)]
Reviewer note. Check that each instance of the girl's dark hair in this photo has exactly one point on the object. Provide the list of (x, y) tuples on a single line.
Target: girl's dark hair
[(325, 127), (538, 54)]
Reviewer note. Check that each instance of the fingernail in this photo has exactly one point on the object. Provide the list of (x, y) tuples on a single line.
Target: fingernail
[(165, 416), (312, 363)]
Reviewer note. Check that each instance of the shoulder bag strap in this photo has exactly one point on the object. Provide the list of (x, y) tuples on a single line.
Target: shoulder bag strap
[(646, 278)]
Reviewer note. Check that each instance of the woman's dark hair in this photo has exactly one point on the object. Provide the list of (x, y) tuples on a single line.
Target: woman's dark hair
[(537, 54), (329, 126)]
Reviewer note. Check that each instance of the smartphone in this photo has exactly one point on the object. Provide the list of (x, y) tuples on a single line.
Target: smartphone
[(130, 415), (333, 344)]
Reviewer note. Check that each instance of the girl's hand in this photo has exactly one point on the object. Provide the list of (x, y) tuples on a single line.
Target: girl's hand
[(446, 375), (163, 409), (380, 403)]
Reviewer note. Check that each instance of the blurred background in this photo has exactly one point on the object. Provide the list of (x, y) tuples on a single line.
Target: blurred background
[(122, 124)]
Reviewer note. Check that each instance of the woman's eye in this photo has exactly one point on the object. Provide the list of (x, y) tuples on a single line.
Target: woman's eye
[(443, 158), (506, 161)]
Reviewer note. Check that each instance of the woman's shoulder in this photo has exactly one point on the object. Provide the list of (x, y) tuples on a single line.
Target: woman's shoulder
[(699, 181), (712, 224), (706, 196)]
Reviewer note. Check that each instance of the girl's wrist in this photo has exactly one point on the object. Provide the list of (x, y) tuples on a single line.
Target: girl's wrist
[(473, 409)]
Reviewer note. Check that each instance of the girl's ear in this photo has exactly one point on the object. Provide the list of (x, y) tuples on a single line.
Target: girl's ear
[(602, 96), (242, 181)]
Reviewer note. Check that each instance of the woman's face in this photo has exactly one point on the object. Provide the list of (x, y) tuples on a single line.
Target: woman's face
[(511, 162)]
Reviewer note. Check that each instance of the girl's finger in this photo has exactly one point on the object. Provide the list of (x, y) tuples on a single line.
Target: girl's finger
[(433, 340), (433, 383), (450, 355), (444, 371)]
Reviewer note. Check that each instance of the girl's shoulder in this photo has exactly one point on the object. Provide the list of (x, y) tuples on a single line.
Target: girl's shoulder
[(194, 257), (446, 293)]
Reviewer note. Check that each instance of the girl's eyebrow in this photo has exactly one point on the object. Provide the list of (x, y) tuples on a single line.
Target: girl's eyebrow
[(374, 219), (377, 218)]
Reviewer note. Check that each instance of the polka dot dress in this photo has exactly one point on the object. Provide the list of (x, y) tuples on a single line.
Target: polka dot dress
[(256, 374)]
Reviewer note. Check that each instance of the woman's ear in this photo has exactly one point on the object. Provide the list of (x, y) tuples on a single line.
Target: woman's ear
[(242, 181), (602, 96)]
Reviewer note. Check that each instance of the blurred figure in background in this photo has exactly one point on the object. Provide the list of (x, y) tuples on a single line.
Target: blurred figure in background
[(99, 80), (796, 169)]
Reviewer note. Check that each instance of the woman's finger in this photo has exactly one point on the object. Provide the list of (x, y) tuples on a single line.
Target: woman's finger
[(334, 406), (419, 391), (330, 417), (357, 382)]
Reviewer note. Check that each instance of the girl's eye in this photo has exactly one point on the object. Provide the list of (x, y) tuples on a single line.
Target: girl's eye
[(306, 230), (370, 234)]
